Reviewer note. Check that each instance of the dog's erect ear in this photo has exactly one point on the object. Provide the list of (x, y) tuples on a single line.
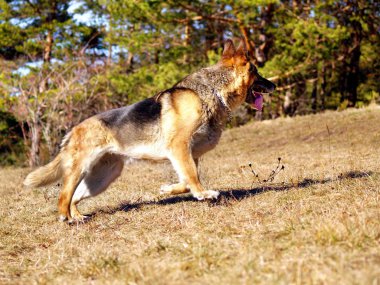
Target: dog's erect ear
[(228, 49), (242, 49)]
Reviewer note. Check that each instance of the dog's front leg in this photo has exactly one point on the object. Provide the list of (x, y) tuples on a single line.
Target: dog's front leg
[(178, 188), (186, 169)]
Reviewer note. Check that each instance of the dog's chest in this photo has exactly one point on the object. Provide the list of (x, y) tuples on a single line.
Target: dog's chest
[(205, 139), (151, 151)]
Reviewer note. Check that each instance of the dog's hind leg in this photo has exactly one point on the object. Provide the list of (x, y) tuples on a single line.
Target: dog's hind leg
[(96, 180), (71, 179)]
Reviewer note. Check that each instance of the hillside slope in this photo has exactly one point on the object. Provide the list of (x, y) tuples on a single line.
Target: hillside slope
[(317, 222)]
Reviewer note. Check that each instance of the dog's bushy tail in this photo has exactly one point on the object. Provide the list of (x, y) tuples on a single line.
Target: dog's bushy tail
[(46, 174)]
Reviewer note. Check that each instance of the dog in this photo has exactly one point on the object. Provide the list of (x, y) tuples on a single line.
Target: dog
[(179, 124)]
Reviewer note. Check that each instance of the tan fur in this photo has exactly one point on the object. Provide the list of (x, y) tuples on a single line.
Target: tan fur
[(182, 121), (45, 175), (189, 123), (81, 152)]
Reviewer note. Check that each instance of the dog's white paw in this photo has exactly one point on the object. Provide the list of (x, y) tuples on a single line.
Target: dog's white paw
[(62, 218), (208, 194), (165, 189)]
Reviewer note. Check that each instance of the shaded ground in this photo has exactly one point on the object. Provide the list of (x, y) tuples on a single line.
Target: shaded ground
[(317, 222)]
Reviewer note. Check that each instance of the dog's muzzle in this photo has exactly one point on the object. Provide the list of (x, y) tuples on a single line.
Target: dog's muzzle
[(255, 99), (256, 92)]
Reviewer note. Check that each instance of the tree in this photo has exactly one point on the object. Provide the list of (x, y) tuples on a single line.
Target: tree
[(58, 70), (35, 33)]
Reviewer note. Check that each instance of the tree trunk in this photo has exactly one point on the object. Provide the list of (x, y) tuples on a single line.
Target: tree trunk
[(249, 44), (48, 47), (186, 40), (314, 99), (34, 153), (265, 38), (351, 66), (210, 38), (130, 62), (322, 92), (157, 56), (353, 75), (109, 56), (43, 84)]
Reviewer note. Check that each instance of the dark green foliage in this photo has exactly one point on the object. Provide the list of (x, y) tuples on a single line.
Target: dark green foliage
[(12, 150), (57, 71)]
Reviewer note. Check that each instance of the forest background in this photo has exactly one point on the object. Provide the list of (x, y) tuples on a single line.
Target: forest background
[(63, 61)]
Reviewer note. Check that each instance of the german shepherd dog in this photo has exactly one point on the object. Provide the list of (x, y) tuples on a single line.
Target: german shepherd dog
[(179, 124)]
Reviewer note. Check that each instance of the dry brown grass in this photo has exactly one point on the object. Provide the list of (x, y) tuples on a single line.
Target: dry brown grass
[(321, 226)]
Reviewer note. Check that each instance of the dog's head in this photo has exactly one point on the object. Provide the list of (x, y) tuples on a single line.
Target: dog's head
[(251, 86)]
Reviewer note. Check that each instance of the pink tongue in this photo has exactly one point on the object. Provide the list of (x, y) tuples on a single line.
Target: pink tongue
[(258, 104)]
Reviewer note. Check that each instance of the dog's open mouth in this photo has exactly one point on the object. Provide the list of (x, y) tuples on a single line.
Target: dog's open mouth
[(256, 93), (258, 100)]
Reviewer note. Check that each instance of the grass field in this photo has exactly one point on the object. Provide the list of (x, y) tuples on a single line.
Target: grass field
[(318, 222)]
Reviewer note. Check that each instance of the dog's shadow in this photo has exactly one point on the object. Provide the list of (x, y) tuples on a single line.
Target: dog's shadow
[(226, 196)]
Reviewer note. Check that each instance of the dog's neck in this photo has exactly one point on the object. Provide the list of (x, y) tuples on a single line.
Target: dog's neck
[(224, 103), (212, 84)]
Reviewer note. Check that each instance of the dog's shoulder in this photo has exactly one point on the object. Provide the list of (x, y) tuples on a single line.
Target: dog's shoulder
[(171, 92), (143, 112)]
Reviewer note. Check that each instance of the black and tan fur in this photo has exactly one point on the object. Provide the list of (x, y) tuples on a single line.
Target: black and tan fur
[(179, 124)]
